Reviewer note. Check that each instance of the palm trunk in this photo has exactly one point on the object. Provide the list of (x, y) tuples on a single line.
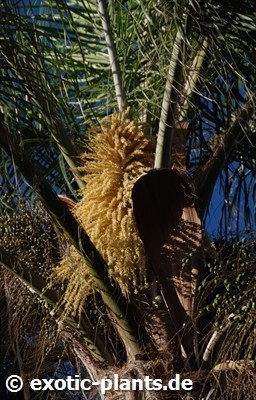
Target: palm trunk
[(170, 230)]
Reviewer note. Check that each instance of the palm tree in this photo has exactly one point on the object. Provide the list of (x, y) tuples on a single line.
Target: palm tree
[(121, 126)]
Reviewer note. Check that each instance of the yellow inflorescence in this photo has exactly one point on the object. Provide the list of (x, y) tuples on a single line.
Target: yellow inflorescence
[(72, 270), (118, 155)]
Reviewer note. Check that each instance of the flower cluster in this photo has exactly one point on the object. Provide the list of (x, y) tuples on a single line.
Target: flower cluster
[(117, 156)]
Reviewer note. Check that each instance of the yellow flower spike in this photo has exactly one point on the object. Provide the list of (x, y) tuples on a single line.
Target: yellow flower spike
[(120, 154)]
